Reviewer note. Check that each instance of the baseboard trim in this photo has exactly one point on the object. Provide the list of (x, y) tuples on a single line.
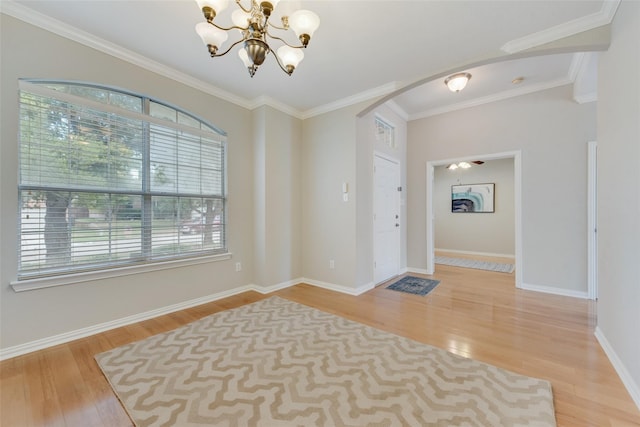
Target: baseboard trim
[(273, 288), (40, 344), (338, 288), (54, 340), (489, 254), (554, 291), (621, 370), (417, 270), (18, 350)]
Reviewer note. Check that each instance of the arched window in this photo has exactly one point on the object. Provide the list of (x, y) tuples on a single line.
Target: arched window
[(110, 178)]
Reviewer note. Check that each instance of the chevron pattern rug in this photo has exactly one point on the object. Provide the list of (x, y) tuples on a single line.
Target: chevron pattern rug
[(279, 363)]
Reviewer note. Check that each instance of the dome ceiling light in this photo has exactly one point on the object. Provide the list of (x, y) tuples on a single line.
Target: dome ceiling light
[(463, 165), (457, 82)]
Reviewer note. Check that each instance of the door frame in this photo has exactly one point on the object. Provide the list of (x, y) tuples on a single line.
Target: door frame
[(592, 220), (399, 207), (517, 187)]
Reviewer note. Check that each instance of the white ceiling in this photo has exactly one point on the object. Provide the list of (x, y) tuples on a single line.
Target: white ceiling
[(362, 49)]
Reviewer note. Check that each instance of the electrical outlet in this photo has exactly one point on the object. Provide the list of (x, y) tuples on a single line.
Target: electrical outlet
[(332, 264), (238, 266)]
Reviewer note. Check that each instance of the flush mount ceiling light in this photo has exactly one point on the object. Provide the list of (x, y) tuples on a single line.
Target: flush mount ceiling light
[(253, 25), (457, 82), (463, 165)]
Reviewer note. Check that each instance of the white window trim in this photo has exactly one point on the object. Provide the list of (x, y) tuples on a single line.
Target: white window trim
[(39, 89), (27, 284), (389, 137), (90, 276)]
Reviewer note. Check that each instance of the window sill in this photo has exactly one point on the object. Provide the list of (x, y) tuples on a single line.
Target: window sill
[(68, 279)]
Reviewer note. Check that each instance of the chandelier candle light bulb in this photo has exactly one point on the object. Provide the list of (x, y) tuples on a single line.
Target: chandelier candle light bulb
[(257, 32), (210, 8), (304, 23), (290, 57), (211, 36)]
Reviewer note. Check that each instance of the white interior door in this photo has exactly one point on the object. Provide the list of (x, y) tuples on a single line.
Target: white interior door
[(386, 218)]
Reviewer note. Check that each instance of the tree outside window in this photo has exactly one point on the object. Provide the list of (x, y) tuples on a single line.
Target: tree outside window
[(103, 183)]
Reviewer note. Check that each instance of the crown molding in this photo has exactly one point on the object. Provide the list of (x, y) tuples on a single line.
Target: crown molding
[(267, 101), (393, 106), (30, 16), (351, 100), (492, 98), (332, 106), (40, 20), (603, 17), (579, 73), (585, 98), (578, 64)]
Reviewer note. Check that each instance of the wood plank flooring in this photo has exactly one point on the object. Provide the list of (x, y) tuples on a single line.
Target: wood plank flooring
[(472, 313)]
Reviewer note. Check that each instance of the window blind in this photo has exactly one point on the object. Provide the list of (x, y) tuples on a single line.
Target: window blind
[(103, 183)]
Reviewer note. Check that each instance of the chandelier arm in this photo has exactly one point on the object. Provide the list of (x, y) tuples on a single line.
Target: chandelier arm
[(229, 49), (280, 64), (239, 3), (276, 27), (235, 27), (284, 41)]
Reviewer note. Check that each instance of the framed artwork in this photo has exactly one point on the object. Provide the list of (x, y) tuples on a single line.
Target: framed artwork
[(473, 198)]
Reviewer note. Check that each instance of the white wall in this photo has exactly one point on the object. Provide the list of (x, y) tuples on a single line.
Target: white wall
[(552, 132), (619, 197), (487, 233)]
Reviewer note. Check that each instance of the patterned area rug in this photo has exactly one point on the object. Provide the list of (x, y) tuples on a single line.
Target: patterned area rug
[(279, 363), (472, 263), (414, 285)]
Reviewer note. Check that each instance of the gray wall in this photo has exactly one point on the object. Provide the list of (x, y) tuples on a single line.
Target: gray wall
[(328, 157), (39, 314), (338, 147), (264, 187), (277, 197), (619, 196), (367, 146), (491, 233), (551, 131)]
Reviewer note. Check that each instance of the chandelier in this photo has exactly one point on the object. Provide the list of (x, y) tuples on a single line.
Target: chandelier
[(256, 31)]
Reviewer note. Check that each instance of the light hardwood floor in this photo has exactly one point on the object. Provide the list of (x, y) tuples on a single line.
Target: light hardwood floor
[(472, 313)]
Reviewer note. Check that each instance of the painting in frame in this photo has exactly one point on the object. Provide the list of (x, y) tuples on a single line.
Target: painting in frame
[(473, 198)]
